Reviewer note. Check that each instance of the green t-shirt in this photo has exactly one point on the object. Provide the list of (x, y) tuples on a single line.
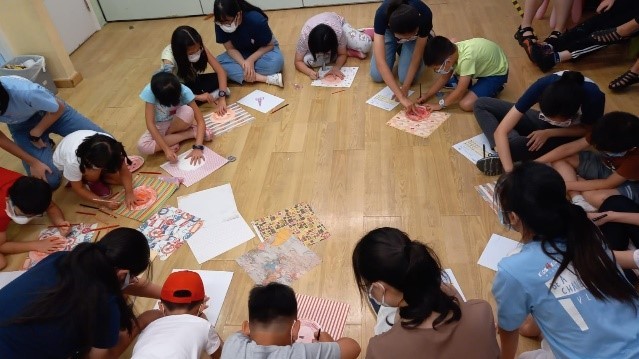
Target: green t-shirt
[(479, 57)]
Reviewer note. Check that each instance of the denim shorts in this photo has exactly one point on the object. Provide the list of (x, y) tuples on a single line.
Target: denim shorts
[(591, 166)]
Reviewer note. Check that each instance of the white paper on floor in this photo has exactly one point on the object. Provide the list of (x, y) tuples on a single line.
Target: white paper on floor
[(384, 99), (473, 148), (8, 277), (449, 277), (224, 227), (498, 247), (260, 101)]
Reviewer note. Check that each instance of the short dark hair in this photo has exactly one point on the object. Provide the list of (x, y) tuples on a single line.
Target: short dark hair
[(181, 306), (31, 195), (101, 151), (270, 303), (4, 99), (437, 50), (563, 97), (166, 88), (322, 39), (616, 132), (402, 17)]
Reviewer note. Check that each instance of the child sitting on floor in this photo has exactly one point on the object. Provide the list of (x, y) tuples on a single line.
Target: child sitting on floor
[(172, 116), (613, 169), (181, 333), (272, 329), (24, 198), (474, 59)]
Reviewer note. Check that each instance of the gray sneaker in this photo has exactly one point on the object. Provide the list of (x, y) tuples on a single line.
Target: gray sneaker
[(275, 79), (490, 166)]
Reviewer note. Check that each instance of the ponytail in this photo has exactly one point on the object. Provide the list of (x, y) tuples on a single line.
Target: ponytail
[(101, 151), (402, 18), (564, 97)]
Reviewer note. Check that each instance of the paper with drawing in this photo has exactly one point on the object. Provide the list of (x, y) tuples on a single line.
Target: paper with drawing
[(423, 127), (300, 219), (193, 173), (384, 99), (79, 234), (168, 229), (334, 81), (261, 101), (473, 148)]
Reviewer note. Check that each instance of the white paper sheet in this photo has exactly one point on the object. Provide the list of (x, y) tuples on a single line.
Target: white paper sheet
[(498, 247), (261, 101), (8, 277), (224, 227), (383, 99), (473, 148), (451, 279), (216, 286), (347, 81)]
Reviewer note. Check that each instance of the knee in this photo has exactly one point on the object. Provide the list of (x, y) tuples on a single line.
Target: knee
[(596, 198), (146, 146), (375, 75), (481, 104), (467, 105), (185, 113)]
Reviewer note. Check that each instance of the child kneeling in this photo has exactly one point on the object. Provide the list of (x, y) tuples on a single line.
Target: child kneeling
[(181, 333), (272, 330)]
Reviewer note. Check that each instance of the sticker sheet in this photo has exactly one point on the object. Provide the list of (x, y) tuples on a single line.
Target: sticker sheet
[(423, 128), (301, 220), (487, 193), (282, 263), (153, 192), (79, 234), (334, 81), (220, 126), (193, 173), (167, 230)]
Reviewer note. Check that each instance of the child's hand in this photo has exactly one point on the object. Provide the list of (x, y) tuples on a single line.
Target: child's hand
[(335, 72), (537, 139), (112, 204), (49, 245), (65, 228), (196, 156), (605, 5), (129, 200), (433, 107), (39, 170), (313, 75), (249, 70), (205, 97), (221, 107), (170, 156)]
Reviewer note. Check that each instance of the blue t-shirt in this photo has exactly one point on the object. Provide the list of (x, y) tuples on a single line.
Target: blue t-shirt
[(573, 321), (591, 110), (54, 338), (252, 33), (425, 17), (25, 99), (165, 113)]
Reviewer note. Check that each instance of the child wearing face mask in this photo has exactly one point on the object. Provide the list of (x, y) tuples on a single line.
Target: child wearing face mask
[(24, 198), (252, 52), (478, 66), (328, 38), (593, 176), (272, 329), (181, 333), (187, 58)]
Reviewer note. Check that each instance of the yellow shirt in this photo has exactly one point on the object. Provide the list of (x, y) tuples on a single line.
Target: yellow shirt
[(479, 57)]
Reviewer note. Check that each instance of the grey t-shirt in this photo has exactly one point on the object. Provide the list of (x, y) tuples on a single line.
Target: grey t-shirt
[(239, 346)]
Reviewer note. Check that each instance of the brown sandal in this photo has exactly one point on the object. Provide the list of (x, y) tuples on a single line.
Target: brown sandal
[(607, 37), (628, 78)]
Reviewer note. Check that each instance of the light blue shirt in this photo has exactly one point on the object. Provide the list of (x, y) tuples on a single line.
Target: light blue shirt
[(25, 99), (165, 113), (239, 346), (573, 321)]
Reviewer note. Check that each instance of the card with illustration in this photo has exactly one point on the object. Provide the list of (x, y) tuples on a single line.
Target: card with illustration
[(167, 230), (475, 148), (329, 314), (300, 219), (421, 123), (193, 173), (150, 193), (487, 193), (79, 234), (384, 99), (282, 263), (261, 101), (236, 116), (334, 81)]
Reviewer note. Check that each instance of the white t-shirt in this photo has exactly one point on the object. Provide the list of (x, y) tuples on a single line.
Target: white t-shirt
[(239, 346), (64, 157), (182, 336)]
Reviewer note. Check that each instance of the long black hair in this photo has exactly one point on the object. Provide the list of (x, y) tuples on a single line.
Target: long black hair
[(101, 151), (224, 9), (401, 17), (389, 255), (183, 37), (87, 281), (536, 193), (564, 97), (322, 38)]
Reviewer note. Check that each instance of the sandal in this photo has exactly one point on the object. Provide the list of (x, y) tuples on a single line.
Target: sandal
[(490, 166), (607, 37), (552, 38), (628, 78), (521, 38)]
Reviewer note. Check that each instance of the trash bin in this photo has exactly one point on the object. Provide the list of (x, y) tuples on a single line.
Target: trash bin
[(34, 70)]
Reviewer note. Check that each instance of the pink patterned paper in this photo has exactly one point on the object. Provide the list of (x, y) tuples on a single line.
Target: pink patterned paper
[(331, 81), (423, 128), (329, 314), (182, 168)]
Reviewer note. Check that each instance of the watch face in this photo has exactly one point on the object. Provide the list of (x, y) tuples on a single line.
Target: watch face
[(221, 93)]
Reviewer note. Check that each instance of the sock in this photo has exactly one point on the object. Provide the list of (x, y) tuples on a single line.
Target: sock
[(635, 256)]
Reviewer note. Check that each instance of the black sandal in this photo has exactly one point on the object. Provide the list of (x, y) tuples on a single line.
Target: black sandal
[(607, 37), (552, 37), (521, 38), (490, 166), (628, 78)]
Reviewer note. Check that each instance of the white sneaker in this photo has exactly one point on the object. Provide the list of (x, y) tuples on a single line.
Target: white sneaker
[(275, 79), (580, 201)]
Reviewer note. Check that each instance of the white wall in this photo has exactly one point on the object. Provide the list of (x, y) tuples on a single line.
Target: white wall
[(6, 53)]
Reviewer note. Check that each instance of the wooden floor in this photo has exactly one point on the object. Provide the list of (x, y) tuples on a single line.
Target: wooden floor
[(333, 151)]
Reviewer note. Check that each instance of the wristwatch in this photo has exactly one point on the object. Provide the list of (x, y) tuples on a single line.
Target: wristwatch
[(442, 103), (222, 93), (198, 147)]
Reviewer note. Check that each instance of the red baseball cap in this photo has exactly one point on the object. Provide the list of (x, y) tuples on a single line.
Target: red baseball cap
[(186, 284)]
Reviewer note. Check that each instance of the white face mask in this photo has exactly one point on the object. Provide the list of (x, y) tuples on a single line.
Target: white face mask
[(195, 57), (127, 280), (230, 28), (11, 212), (381, 302)]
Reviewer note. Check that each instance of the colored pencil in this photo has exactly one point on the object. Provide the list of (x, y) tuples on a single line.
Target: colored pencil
[(87, 206), (151, 173), (332, 93), (420, 90), (70, 225), (272, 112), (105, 200), (101, 228), (87, 213), (107, 213), (97, 236)]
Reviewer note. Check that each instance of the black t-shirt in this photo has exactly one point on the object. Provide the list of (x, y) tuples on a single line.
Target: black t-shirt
[(425, 18)]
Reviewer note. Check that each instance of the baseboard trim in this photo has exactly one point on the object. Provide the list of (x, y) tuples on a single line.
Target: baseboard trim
[(73, 81)]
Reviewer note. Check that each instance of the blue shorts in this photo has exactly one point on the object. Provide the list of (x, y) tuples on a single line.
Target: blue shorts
[(489, 86), (591, 166)]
